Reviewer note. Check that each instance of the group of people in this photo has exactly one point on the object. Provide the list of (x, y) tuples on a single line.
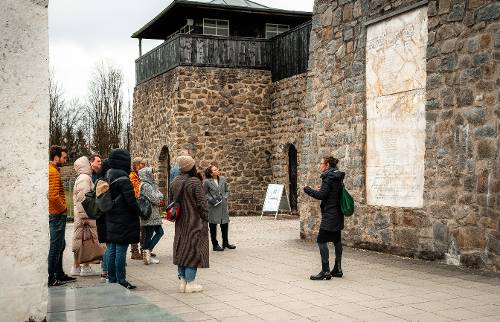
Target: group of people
[(201, 200)]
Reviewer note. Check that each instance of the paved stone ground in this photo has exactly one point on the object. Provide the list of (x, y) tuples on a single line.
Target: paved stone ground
[(267, 278)]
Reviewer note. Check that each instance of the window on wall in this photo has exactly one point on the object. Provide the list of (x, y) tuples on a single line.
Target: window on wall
[(216, 27), (273, 29)]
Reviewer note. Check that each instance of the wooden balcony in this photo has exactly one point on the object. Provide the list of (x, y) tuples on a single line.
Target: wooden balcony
[(285, 55)]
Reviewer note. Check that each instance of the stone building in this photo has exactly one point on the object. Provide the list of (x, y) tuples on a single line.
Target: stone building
[(404, 93), (215, 88), (410, 105)]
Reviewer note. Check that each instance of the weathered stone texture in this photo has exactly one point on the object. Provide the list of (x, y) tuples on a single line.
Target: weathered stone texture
[(221, 114), (287, 112), (462, 162), (24, 128)]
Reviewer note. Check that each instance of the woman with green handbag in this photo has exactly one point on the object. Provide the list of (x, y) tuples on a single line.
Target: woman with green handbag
[(332, 218)]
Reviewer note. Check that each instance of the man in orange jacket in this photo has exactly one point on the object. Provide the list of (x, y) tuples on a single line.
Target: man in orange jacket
[(57, 217), (137, 164)]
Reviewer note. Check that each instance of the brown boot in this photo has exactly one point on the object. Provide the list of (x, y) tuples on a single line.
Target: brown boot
[(135, 252)]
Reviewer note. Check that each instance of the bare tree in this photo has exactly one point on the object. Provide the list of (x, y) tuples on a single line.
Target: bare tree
[(105, 104), (73, 124), (57, 107)]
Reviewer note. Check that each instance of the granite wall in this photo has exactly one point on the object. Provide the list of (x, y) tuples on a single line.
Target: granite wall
[(459, 219), (221, 115)]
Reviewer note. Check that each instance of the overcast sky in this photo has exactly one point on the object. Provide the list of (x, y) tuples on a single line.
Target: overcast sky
[(83, 33)]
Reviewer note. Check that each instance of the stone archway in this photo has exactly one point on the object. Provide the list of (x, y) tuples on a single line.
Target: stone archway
[(164, 171), (292, 178)]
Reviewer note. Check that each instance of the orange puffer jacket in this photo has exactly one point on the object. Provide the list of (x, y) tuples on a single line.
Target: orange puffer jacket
[(136, 182), (57, 200)]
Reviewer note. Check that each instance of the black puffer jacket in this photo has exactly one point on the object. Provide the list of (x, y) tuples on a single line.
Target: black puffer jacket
[(122, 222), (332, 218)]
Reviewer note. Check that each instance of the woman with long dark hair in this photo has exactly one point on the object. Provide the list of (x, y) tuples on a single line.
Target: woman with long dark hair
[(332, 219), (191, 229), (217, 192)]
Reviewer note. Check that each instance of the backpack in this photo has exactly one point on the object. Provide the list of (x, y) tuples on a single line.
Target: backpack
[(98, 200), (144, 205), (174, 207), (346, 202)]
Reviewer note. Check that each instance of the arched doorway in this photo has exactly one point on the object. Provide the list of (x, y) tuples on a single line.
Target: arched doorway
[(164, 171), (292, 177)]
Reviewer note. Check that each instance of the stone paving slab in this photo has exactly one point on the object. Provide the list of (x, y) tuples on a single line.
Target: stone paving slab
[(106, 302), (267, 279)]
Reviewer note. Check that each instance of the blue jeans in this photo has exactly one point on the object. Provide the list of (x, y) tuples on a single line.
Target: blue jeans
[(57, 227), (117, 256), (152, 235), (104, 262), (187, 273)]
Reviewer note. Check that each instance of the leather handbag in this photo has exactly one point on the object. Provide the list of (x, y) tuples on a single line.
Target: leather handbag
[(90, 250), (174, 207)]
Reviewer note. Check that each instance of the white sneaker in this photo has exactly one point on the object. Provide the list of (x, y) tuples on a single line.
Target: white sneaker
[(87, 271), (154, 260), (75, 271), (192, 287), (182, 286)]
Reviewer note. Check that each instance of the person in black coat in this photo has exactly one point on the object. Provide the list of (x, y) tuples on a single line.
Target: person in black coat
[(101, 224), (332, 219), (122, 221)]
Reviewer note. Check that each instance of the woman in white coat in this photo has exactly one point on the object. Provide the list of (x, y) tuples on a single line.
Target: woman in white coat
[(217, 192), (82, 222)]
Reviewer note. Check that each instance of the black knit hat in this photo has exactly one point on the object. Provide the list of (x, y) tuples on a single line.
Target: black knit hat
[(120, 159)]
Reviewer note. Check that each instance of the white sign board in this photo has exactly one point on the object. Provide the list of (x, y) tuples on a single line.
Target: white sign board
[(275, 199), (395, 109)]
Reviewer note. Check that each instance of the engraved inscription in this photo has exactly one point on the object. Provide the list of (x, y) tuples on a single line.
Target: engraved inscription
[(395, 105)]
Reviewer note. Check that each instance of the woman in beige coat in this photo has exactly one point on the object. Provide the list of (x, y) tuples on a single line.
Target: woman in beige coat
[(83, 184)]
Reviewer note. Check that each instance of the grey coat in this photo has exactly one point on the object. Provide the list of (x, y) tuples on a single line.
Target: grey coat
[(149, 189), (217, 214), (191, 228)]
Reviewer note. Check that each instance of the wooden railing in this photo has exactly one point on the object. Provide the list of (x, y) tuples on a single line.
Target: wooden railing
[(291, 52), (285, 55)]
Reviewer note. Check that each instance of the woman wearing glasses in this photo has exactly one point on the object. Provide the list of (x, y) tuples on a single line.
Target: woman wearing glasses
[(332, 219), (217, 192)]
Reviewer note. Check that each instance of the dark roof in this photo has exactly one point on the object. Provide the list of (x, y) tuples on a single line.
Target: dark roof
[(240, 3), (174, 15)]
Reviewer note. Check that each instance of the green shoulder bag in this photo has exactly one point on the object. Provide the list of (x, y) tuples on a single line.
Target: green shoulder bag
[(346, 202)]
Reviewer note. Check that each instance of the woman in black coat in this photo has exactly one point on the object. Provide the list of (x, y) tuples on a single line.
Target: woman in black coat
[(332, 219), (122, 221)]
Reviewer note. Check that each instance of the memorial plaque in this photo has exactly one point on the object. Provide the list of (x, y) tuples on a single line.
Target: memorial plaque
[(395, 106)]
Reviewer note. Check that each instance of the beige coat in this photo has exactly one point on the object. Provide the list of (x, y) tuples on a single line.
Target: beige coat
[(191, 228), (83, 184)]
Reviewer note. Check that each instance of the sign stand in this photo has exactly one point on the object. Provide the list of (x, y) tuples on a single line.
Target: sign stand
[(275, 200)]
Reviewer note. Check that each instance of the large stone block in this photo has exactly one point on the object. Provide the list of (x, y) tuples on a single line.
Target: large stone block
[(469, 238)]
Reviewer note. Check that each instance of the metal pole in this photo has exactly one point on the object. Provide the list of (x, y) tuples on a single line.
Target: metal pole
[(140, 47)]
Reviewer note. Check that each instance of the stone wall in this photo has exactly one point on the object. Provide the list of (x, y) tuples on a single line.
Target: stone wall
[(221, 115), (24, 128), (460, 216), (288, 112)]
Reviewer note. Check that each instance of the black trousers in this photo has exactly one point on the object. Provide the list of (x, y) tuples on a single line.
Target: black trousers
[(329, 236), (213, 233)]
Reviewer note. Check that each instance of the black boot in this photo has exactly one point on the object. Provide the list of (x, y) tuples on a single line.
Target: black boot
[(225, 243), (324, 274), (337, 268), (217, 248)]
